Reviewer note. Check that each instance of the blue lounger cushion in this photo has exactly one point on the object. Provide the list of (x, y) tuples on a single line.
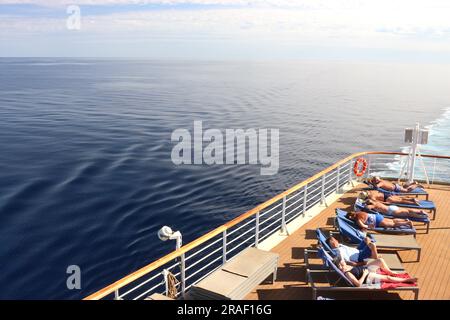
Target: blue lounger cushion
[(400, 230), (350, 232), (362, 207), (423, 204), (323, 241)]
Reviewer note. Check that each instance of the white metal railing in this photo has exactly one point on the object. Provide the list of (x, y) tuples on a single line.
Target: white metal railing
[(259, 223)]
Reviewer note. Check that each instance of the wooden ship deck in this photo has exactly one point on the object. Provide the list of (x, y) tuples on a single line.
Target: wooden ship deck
[(433, 269)]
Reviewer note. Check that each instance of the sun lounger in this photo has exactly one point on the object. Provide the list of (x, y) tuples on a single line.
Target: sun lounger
[(401, 230), (347, 285), (237, 278), (351, 234), (391, 259), (423, 205), (360, 206), (415, 192)]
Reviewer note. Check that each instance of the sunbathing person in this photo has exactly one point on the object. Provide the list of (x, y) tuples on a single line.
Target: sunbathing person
[(366, 220), (395, 211), (356, 256), (387, 197), (369, 274), (394, 187)]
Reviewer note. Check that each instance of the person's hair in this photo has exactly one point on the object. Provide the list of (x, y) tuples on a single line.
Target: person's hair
[(329, 240), (363, 195), (337, 260)]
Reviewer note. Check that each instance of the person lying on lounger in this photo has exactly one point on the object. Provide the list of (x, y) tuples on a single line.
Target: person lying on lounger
[(395, 211), (387, 197), (394, 187), (368, 274), (366, 220), (354, 256)]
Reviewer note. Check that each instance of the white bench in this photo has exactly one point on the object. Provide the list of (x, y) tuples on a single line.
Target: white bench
[(237, 278)]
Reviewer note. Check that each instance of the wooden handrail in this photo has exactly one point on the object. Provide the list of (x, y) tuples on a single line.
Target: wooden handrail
[(208, 236)]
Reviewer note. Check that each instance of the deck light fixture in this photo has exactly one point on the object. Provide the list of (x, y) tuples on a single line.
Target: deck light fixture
[(166, 233)]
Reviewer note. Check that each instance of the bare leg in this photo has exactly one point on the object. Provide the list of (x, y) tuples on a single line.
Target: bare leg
[(392, 278), (409, 213), (382, 264), (392, 223), (402, 200), (373, 249), (402, 222)]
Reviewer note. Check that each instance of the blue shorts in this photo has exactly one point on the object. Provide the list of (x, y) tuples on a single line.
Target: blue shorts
[(364, 252), (378, 218), (397, 187)]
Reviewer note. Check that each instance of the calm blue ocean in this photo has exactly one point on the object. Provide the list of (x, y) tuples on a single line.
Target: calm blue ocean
[(86, 176)]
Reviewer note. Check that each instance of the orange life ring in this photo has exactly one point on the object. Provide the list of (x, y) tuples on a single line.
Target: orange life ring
[(356, 170)]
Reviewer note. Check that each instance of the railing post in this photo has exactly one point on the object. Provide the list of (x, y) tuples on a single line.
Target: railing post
[(183, 274), (305, 196), (338, 179), (224, 246), (434, 170), (350, 175), (165, 273), (322, 191), (116, 295), (257, 230), (283, 216), (368, 165)]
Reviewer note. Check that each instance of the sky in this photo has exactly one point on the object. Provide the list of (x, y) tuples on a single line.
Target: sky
[(394, 30)]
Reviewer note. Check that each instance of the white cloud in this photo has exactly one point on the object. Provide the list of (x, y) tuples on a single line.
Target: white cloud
[(414, 24)]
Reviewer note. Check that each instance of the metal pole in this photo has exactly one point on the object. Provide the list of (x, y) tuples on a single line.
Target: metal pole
[(434, 171), (338, 180), (257, 230), (350, 174), (182, 265), (224, 246), (165, 273), (322, 192), (305, 196), (283, 216), (412, 163)]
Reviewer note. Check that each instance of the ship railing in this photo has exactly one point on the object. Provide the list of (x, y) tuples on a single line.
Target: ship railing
[(197, 259)]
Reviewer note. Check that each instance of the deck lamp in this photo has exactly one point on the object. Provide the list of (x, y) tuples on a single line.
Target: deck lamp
[(166, 233)]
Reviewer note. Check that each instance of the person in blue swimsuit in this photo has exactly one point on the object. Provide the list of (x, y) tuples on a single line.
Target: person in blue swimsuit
[(366, 220)]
